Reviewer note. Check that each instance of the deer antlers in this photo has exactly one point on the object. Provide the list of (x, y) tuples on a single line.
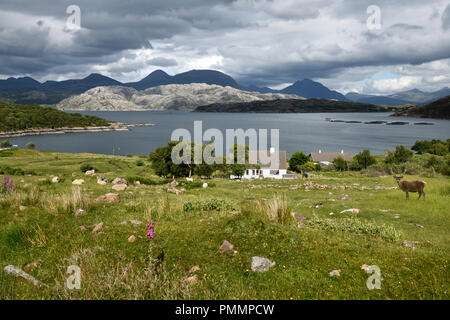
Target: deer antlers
[(395, 175)]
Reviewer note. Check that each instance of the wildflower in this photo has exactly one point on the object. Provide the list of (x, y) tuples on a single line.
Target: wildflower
[(150, 229), (7, 185)]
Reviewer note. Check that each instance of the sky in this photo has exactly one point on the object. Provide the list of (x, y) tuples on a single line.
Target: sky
[(369, 47)]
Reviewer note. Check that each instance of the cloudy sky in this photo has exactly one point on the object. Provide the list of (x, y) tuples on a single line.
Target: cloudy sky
[(260, 42)]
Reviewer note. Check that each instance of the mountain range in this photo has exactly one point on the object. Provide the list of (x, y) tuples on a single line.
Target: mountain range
[(165, 97), (27, 90)]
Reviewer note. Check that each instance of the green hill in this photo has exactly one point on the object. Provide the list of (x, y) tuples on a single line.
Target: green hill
[(439, 109), (294, 106), (20, 117)]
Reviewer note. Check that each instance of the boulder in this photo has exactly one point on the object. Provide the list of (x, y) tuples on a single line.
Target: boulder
[(194, 269), (109, 197), (132, 239), (78, 182), (176, 191), (205, 185), (80, 212), (190, 179), (12, 270), (260, 264), (23, 208), (353, 210), (226, 246), (90, 172), (97, 227), (119, 181), (335, 273), (55, 179), (119, 187)]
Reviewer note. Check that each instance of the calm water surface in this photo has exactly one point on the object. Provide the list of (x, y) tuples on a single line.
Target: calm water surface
[(306, 132)]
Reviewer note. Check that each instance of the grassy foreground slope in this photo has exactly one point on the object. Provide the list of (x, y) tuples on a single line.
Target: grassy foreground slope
[(113, 268), (19, 117)]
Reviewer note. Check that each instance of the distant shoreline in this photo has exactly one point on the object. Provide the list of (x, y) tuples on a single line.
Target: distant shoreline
[(64, 130)]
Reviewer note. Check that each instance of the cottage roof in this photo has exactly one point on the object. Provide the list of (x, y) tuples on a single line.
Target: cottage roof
[(280, 162)]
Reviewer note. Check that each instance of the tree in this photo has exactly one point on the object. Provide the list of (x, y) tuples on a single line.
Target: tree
[(5, 144), (340, 164), (297, 160), (402, 154), (365, 159), (31, 145), (237, 170)]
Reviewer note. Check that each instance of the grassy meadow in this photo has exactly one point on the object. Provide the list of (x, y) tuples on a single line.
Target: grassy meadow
[(255, 216)]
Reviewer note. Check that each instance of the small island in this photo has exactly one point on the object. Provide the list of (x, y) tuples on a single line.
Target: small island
[(295, 106), (29, 120)]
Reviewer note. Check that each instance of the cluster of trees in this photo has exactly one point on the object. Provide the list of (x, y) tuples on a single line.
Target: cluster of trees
[(7, 144), (163, 165), (436, 147), (20, 117)]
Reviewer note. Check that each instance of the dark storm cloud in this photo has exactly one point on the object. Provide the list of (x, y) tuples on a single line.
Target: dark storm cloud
[(263, 42)]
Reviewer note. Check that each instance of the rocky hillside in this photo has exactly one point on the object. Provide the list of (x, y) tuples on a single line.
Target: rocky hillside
[(173, 97), (439, 109)]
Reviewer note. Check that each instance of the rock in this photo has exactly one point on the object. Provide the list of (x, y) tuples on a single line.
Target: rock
[(90, 172), (365, 267), (74, 174), (409, 244), (109, 197), (131, 239), (23, 208), (226, 246), (176, 191), (78, 181), (318, 205), (260, 264), (101, 182), (192, 279), (137, 183), (80, 212), (136, 222), (12, 270), (97, 234), (174, 183), (97, 227), (119, 181), (119, 187), (123, 223), (331, 213), (205, 185), (190, 179), (55, 179), (33, 265), (353, 210), (194, 269), (335, 273), (343, 197), (83, 228), (420, 226)]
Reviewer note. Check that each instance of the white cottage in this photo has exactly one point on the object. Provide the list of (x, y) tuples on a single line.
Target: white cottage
[(276, 170)]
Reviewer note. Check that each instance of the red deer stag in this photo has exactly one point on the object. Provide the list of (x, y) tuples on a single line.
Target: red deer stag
[(410, 186)]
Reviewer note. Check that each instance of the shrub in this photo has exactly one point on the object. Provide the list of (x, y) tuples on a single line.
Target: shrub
[(340, 164), (31, 145), (297, 160), (308, 166), (86, 167), (147, 181), (278, 209), (129, 155), (5, 144), (208, 205), (365, 159), (356, 226), (139, 163)]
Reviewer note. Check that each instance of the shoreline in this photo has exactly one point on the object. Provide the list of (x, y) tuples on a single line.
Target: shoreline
[(48, 131)]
